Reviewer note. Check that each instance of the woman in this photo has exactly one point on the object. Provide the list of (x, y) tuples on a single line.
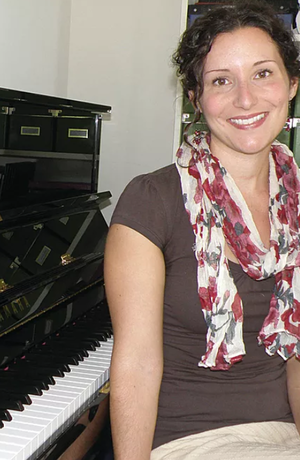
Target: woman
[(219, 231)]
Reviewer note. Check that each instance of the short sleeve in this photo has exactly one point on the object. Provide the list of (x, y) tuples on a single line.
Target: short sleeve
[(144, 206)]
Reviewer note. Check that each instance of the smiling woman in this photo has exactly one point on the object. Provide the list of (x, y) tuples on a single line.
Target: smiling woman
[(202, 261), (246, 90)]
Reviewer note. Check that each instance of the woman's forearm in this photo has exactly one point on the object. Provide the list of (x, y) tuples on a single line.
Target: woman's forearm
[(135, 281), (133, 406)]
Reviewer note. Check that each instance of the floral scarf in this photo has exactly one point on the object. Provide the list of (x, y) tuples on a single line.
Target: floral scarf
[(219, 213)]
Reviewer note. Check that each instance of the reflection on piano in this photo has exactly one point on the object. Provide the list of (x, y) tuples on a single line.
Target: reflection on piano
[(55, 330)]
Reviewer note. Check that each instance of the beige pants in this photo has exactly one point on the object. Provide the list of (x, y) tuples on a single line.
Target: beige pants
[(255, 441)]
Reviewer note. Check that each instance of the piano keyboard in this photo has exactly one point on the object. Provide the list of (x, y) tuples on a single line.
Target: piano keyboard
[(37, 427)]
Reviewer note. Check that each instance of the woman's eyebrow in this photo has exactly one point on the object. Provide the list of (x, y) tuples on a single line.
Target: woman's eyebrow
[(263, 62), (228, 70), (217, 70)]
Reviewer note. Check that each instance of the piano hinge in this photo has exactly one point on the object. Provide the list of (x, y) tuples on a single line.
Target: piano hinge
[(3, 285), (66, 259), (8, 110), (105, 389), (54, 112)]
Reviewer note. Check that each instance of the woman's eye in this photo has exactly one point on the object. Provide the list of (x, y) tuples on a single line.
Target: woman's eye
[(220, 81), (263, 74)]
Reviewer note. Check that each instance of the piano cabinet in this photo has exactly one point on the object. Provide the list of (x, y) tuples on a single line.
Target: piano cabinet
[(53, 142), (55, 331)]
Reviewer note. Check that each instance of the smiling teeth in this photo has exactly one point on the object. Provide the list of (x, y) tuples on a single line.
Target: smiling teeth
[(247, 121)]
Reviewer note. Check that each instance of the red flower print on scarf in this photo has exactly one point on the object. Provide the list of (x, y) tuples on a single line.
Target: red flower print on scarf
[(218, 213)]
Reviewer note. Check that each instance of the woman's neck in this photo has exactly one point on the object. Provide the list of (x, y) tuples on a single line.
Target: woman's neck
[(249, 171)]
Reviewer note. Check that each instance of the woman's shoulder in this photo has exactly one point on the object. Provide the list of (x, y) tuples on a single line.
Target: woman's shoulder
[(149, 203), (162, 178), (161, 184)]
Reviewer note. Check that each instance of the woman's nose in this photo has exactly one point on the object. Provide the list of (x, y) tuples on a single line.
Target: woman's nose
[(245, 95)]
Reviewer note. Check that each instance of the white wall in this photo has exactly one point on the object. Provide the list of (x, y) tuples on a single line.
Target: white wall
[(34, 45), (120, 55), (112, 52)]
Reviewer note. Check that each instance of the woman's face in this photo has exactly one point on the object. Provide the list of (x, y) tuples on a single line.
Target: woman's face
[(246, 91)]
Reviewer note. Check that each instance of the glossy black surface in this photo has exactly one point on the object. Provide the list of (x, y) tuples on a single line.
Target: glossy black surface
[(52, 235), (47, 144), (22, 98), (32, 242)]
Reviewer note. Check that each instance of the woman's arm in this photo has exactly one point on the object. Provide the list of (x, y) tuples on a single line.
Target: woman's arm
[(293, 385), (134, 280)]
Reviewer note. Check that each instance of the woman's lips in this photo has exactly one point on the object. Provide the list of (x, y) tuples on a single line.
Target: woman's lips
[(252, 121)]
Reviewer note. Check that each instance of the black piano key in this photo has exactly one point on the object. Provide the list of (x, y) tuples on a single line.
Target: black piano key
[(23, 388), (63, 350), (91, 322), (16, 373), (51, 362), (7, 404), (88, 345), (94, 327), (84, 341), (51, 348), (81, 343), (100, 336), (5, 415), (83, 332), (21, 381), (81, 339), (104, 331), (107, 331), (17, 395), (52, 369), (39, 358), (94, 341)]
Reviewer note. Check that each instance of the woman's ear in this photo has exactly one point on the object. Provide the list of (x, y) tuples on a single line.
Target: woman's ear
[(293, 87), (191, 96), (196, 104)]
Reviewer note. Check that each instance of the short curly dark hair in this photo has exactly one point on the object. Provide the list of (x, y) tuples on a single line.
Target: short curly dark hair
[(196, 42)]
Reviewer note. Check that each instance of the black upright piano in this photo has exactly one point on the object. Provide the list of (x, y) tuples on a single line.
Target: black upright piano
[(55, 331)]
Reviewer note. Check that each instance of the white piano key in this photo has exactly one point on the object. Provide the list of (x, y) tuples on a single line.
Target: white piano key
[(10, 433), (7, 456), (10, 447), (17, 433), (104, 353), (34, 418), (97, 363), (95, 366), (14, 447), (87, 368), (20, 449), (105, 348)]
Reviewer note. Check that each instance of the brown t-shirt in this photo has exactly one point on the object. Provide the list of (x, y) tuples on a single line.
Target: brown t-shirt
[(194, 399)]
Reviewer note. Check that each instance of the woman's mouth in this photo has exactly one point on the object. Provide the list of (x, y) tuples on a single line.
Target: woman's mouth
[(252, 121)]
